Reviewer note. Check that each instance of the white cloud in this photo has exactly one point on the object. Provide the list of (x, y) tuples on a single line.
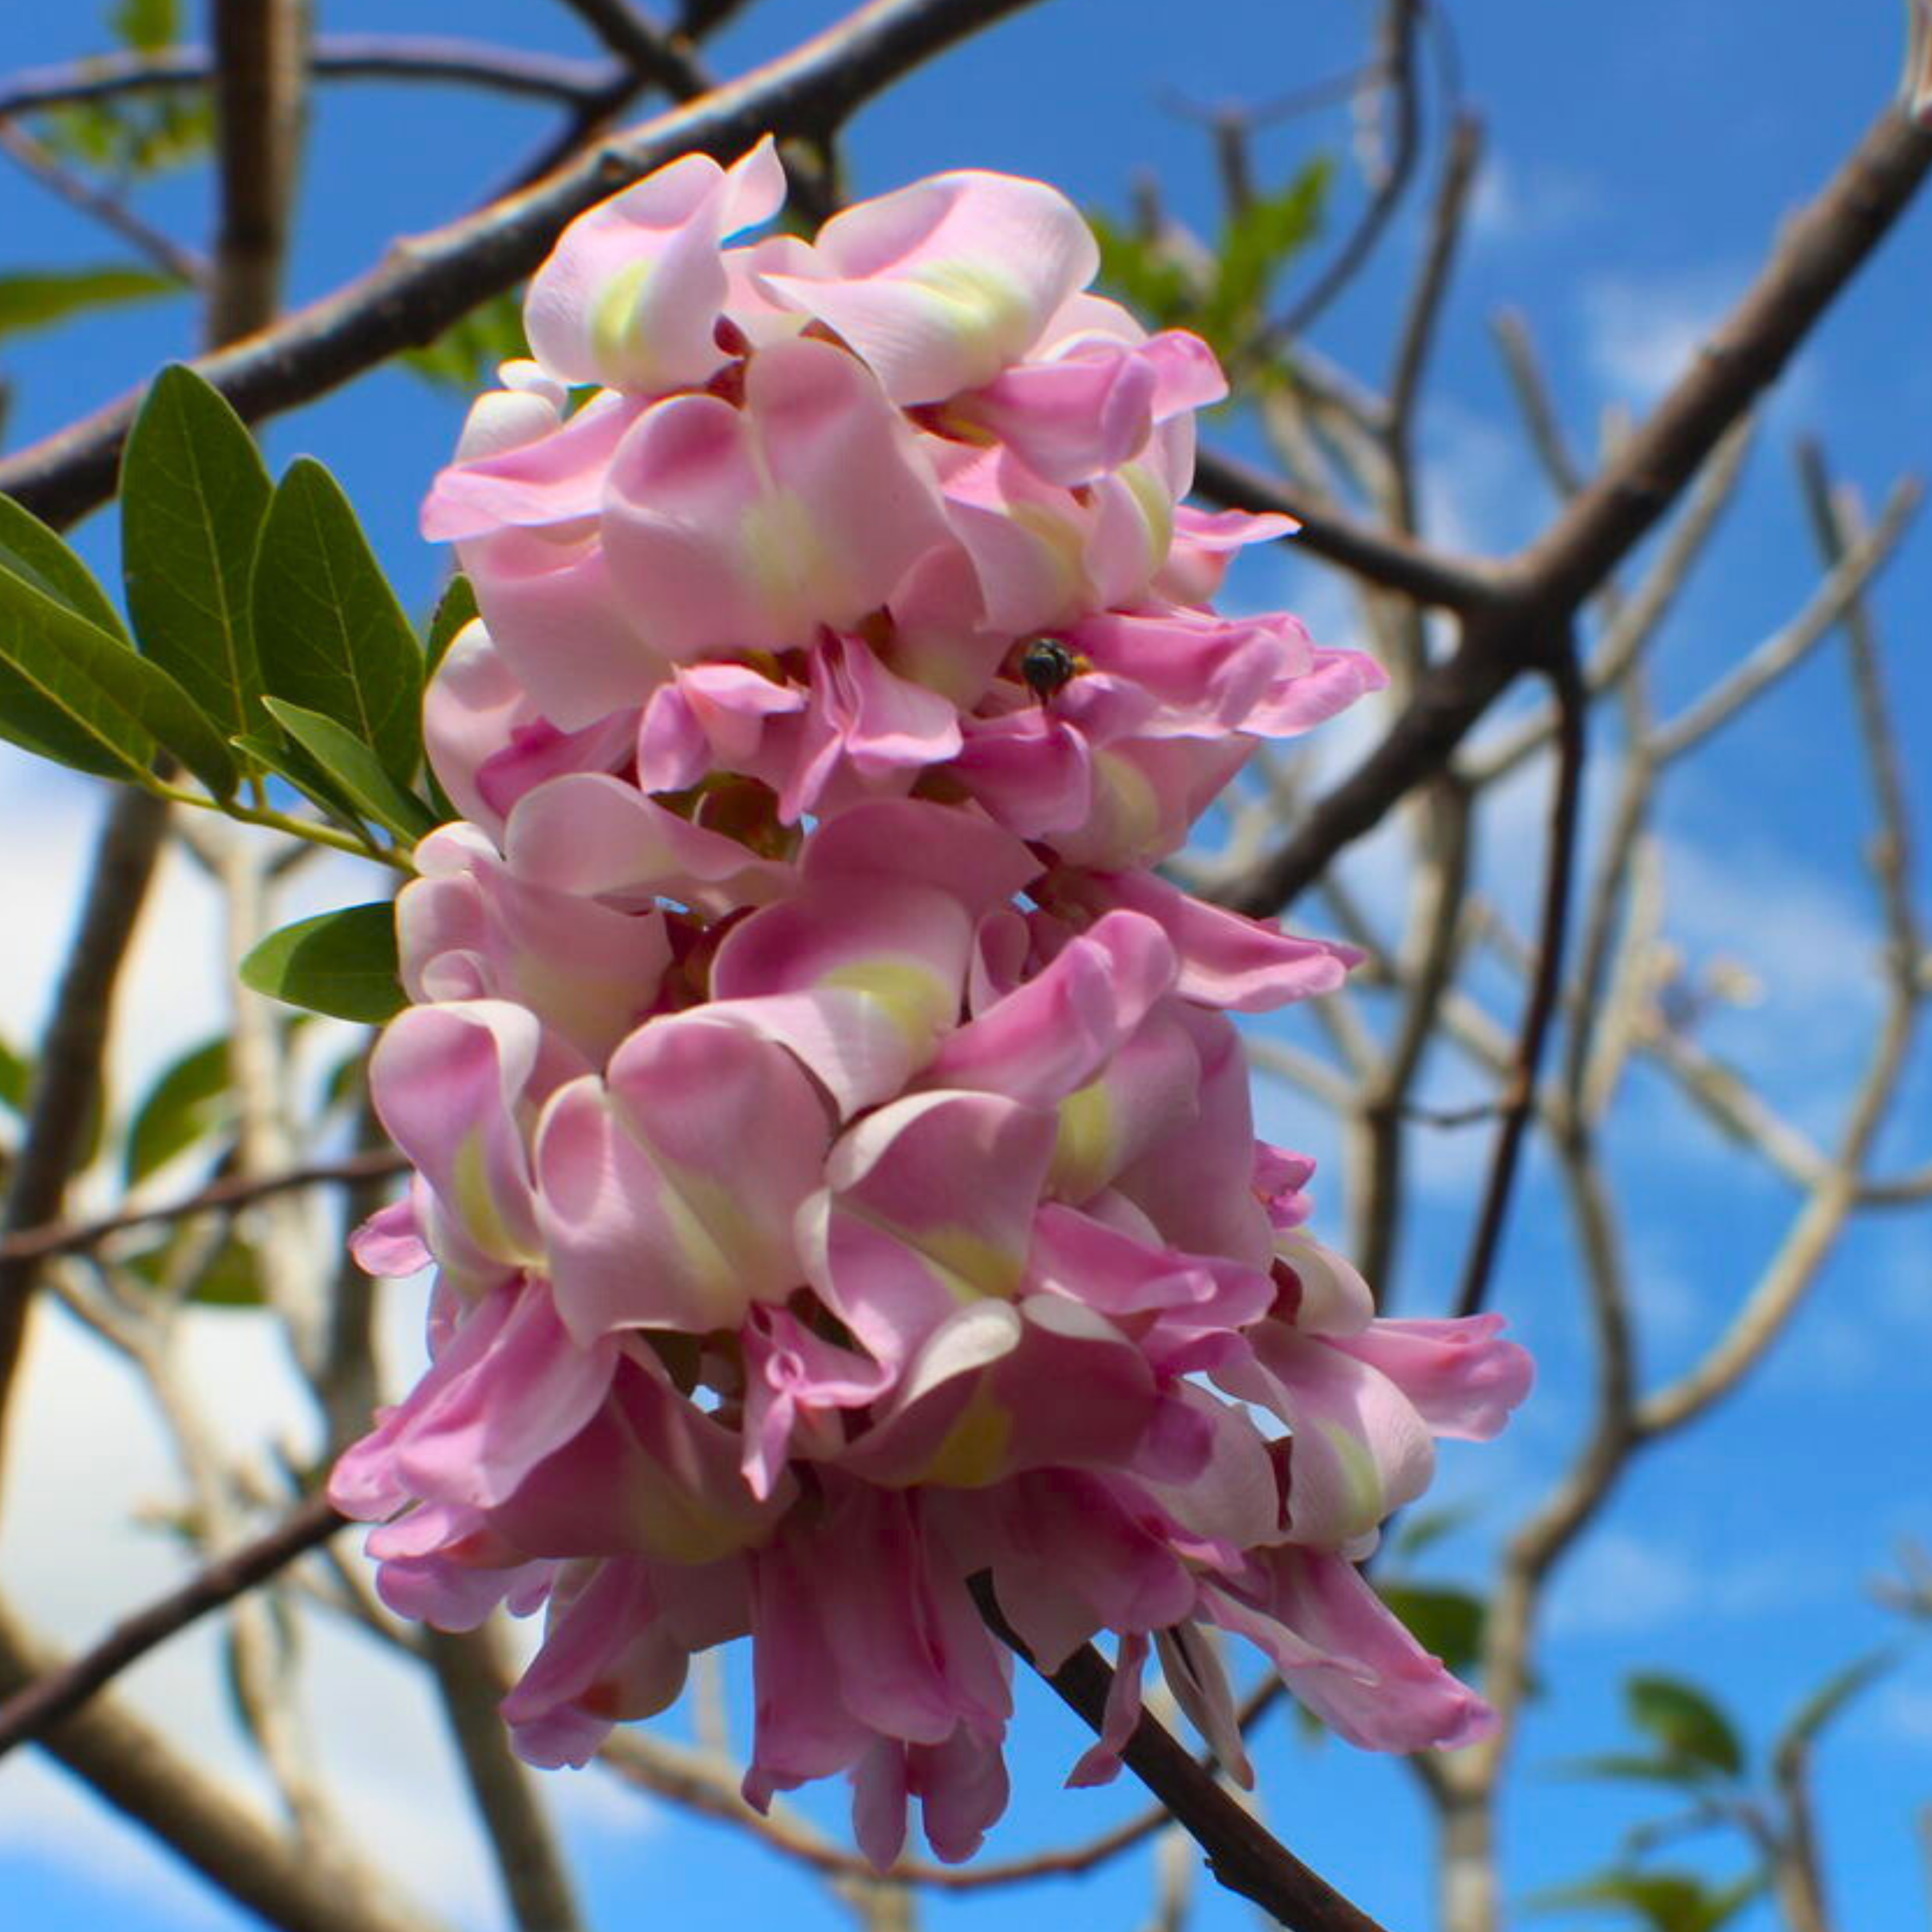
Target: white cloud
[(1640, 334), (1514, 203)]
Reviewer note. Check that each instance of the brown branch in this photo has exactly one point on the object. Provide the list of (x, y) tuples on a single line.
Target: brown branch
[(1396, 563), (429, 282), (1243, 1856), (530, 1863), (1519, 1101), (259, 52), (67, 1081), (31, 1712), (36, 1243), (1818, 251), (1394, 68), (655, 58), (131, 1766), (393, 57), (1518, 603), (1425, 306)]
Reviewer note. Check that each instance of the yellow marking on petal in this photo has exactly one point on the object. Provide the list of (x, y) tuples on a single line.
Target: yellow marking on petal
[(1061, 538), (476, 1206), (1087, 1146), (613, 318), (974, 1452), (988, 310), (675, 1527), (1157, 507), (781, 549), (1361, 1480), (1129, 806), (969, 1264), (913, 999)]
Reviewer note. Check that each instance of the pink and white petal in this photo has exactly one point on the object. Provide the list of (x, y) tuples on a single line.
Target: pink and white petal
[(591, 834), (1360, 1450), (1055, 1033), (1249, 965), (550, 479), (1462, 1377), (942, 284), (1347, 1657)]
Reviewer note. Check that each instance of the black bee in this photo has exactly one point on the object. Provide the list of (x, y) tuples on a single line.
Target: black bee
[(1047, 665)]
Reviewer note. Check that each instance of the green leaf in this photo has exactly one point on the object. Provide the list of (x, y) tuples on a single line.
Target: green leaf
[(1421, 1529), (1259, 241), (146, 26), (330, 636), (292, 763), (1685, 1722), (232, 1278), (1666, 1901), (114, 708), (33, 299), (1830, 1698), (342, 963), (193, 495), (16, 1078), (191, 1100), (1682, 1773), (30, 549), (1446, 1622), (1145, 276), (352, 766), (454, 608), (467, 353)]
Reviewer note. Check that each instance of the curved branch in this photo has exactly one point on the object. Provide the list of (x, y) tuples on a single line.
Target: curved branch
[(428, 282), (398, 57)]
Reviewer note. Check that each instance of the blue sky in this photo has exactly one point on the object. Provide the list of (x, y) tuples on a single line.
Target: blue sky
[(1640, 158)]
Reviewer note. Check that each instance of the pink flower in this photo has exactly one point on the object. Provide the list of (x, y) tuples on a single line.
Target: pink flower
[(831, 1141)]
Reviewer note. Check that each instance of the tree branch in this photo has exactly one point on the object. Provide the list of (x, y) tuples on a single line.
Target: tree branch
[(429, 282), (56, 1694), (394, 57), (1241, 1854)]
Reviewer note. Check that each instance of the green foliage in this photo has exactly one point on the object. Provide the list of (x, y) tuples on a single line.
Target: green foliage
[(1223, 297), (1666, 1901), (130, 136), (1446, 1621), (1829, 1699), (190, 1101), (32, 298), (353, 769), (464, 357), (1147, 278), (1687, 1725), (193, 496), (31, 550), (78, 694), (16, 1078), (342, 963), (330, 635), (454, 608)]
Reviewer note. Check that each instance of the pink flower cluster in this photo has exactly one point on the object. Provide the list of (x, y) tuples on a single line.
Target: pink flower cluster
[(829, 1135)]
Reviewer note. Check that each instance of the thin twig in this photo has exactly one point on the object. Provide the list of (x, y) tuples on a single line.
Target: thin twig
[(113, 213), (1784, 649), (38, 1241), (1394, 70), (66, 1080), (390, 57), (31, 1712), (1243, 1856), (1520, 1099)]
